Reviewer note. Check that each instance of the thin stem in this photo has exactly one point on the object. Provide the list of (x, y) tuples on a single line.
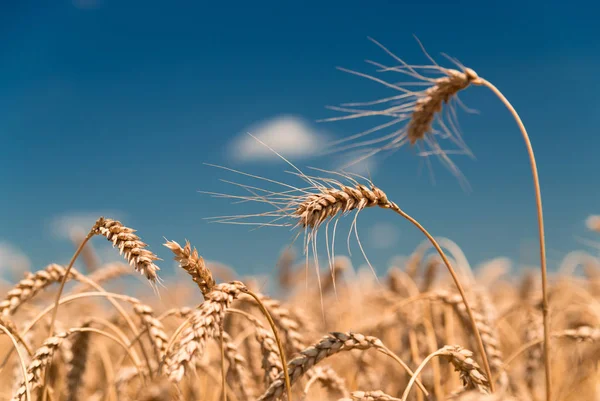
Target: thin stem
[(286, 375), (59, 293), (21, 360), (64, 280), (459, 287), (540, 219), (417, 372)]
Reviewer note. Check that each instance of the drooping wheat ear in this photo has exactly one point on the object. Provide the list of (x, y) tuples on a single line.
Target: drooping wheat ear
[(377, 395), (130, 246), (489, 334), (155, 328), (593, 223), (316, 208), (430, 103), (473, 378), (237, 374), (205, 324), (79, 348), (31, 285), (191, 262), (328, 346), (41, 358), (421, 114)]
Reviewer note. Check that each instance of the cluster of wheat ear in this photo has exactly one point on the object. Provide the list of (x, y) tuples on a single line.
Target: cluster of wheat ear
[(404, 337)]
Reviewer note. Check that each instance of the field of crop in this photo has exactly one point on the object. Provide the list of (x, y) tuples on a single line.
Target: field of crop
[(428, 329)]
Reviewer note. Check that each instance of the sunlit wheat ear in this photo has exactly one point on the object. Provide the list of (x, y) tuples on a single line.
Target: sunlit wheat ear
[(193, 264), (130, 246), (593, 223), (424, 112)]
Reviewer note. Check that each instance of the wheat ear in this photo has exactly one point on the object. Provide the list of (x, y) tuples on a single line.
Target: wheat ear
[(193, 264), (30, 286), (328, 346), (128, 243)]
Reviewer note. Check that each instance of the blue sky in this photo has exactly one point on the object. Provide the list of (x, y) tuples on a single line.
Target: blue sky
[(113, 107)]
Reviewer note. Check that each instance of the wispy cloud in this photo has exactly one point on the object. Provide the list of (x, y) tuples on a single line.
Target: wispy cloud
[(12, 259), (291, 136)]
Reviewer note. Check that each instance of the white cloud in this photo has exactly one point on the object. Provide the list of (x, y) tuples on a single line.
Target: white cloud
[(383, 235), (13, 259), (290, 136), (66, 225)]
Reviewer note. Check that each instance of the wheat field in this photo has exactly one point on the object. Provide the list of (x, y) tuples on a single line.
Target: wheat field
[(427, 329)]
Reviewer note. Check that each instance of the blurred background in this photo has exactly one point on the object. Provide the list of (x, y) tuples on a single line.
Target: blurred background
[(113, 107)]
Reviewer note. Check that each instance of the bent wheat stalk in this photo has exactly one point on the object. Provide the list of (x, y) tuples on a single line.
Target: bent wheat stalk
[(540, 221)]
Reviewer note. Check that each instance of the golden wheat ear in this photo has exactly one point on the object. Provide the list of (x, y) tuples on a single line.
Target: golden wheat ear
[(423, 114)]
